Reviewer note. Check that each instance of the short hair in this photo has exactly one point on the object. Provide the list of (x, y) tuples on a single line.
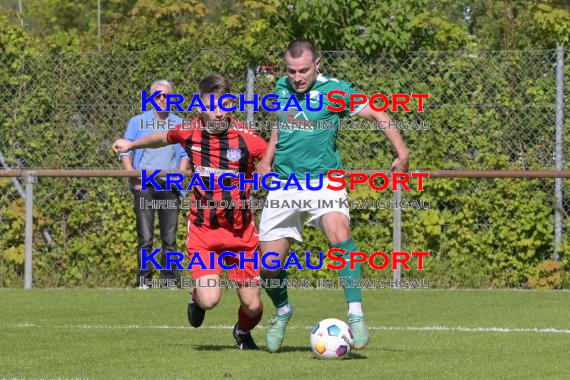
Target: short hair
[(161, 82), (214, 84), (299, 46)]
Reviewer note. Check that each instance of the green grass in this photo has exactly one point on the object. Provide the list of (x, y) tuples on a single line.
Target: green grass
[(123, 333)]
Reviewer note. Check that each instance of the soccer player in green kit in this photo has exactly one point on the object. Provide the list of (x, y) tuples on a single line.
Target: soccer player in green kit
[(314, 151)]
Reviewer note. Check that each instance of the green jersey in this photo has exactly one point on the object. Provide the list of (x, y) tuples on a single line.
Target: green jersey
[(307, 139)]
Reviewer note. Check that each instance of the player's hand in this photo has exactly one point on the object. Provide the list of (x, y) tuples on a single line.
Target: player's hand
[(400, 164), (263, 168), (122, 146)]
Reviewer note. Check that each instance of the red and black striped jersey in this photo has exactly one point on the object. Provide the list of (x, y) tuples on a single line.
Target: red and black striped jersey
[(233, 151)]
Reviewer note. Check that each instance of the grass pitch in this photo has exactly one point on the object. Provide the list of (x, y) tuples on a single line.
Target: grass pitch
[(419, 334)]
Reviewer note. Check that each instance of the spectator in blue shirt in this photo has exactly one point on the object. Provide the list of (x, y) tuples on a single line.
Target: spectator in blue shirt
[(170, 157)]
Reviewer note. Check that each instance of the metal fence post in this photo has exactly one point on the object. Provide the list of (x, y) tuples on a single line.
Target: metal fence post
[(558, 148), (30, 180), (98, 25), (22, 194), (250, 88), (397, 233), (21, 13)]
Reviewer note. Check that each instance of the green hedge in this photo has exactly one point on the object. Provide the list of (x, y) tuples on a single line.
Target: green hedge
[(486, 111)]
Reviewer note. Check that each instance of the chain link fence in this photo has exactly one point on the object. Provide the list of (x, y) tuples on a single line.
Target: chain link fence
[(487, 110)]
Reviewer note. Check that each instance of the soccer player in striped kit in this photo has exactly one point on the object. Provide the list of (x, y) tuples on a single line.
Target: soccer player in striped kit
[(213, 148)]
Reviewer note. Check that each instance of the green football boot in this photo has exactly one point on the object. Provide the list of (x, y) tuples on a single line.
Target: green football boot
[(276, 330), (360, 332)]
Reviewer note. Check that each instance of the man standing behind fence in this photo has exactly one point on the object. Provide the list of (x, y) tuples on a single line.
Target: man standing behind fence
[(171, 157)]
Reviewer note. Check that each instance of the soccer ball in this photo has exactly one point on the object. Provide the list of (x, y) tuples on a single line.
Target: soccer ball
[(331, 339)]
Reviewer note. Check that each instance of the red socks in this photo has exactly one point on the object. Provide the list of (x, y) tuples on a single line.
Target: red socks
[(247, 323)]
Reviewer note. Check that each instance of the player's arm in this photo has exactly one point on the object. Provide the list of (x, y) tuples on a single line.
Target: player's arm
[(154, 140), (265, 165), (400, 164)]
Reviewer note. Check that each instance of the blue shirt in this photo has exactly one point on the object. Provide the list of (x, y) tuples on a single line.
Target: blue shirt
[(164, 158)]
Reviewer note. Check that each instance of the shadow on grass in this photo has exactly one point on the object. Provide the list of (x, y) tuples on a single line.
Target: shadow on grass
[(294, 349), (391, 350), (222, 347), (214, 347), (356, 356), (352, 356)]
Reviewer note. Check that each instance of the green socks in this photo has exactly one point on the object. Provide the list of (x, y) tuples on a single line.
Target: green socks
[(278, 295), (352, 294)]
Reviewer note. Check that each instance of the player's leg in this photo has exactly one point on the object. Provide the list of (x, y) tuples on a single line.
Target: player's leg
[(207, 292), (249, 315), (334, 221), (246, 274), (205, 295), (145, 232), (337, 229), (277, 229), (278, 295)]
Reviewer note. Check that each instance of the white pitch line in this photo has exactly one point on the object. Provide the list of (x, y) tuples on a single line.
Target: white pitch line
[(535, 330), (542, 330)]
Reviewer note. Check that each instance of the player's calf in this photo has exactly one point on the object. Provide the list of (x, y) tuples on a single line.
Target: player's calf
[(242, 329), (203, 298), (249, 315)]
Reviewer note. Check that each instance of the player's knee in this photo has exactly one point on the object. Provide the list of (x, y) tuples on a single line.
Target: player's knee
[(253, 307), (208, 303), (208, 300), (270, 273), (339, 235)]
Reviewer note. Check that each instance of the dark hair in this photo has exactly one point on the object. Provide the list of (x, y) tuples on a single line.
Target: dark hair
[(214, 84), (299, 46)]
